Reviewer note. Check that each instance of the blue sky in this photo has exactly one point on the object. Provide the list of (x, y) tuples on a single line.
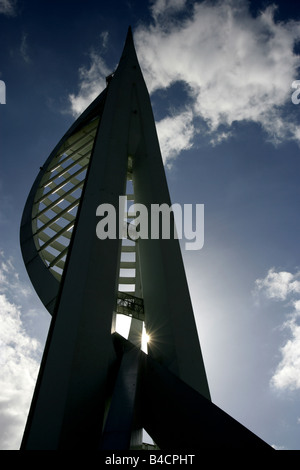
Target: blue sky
[(220, 76)]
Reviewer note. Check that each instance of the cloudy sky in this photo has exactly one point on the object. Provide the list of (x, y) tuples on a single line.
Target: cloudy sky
[(221, 75)]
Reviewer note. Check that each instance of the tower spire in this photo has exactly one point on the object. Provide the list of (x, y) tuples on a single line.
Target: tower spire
[(95, 389)]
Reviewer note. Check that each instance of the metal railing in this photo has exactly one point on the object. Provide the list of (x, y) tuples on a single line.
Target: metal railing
[(130, 305)]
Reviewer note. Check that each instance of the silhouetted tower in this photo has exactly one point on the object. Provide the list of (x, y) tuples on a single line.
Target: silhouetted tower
[(96, 389)]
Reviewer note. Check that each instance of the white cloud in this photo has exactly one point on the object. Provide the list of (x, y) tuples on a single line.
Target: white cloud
[(8, 7), (92, 81), (278, 285), (236, 67), (104, 38), (287, 374), (175, 134), (24, 49), (284, 285), (19, 358)]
